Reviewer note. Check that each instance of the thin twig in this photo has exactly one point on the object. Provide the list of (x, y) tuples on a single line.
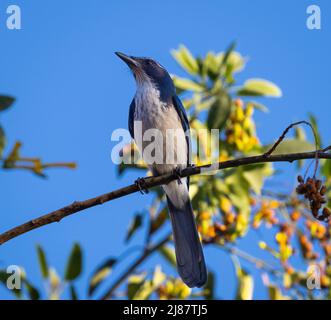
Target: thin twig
[(282, 137), (254, 260), (146, 253), (150, 182)]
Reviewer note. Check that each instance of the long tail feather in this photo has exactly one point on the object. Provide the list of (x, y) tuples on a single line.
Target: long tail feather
[(190, 259)]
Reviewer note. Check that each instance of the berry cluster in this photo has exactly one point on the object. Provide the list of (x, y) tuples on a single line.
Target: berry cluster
[(314, 191)]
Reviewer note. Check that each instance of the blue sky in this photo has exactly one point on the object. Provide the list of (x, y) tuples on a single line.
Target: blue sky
[(72, 92)]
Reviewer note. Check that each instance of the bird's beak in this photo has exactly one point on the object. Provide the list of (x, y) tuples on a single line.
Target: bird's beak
[(130, 61)]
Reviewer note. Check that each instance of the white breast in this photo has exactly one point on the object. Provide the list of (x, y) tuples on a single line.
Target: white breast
[(155, 114), (149, 108)]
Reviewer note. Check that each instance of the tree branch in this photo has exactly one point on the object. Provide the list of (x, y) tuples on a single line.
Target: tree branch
[(147, 252), (150, 182)]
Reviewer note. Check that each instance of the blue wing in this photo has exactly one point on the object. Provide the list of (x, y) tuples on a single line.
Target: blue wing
[(181, 112), (186, 126), (131, 118)]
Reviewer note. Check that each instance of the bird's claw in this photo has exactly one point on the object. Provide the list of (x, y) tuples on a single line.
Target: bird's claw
[(178, 174), (141, 184)]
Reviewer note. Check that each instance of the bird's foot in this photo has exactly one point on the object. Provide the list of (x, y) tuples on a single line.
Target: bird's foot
[(178, 174), (141, 184)]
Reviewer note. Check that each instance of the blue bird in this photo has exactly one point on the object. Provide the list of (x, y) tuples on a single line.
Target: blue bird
[(156, 106)]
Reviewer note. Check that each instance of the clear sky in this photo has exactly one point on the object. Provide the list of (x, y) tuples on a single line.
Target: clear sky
[(72, 92)]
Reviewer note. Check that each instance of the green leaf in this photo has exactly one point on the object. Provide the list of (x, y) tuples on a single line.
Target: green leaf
[(73, 293), (32, 291), (240, 198), (169, 254), (100, 275), (42, 262), (238, 191), (245, 281), (144, 291), (209, 292), (258, 106), (228, 53), (259, 87), (2, 141), (211, 66), (6, 102), (186, 60), (148, 287), (292, 146), (276, 294), (158, 221), (246, 286), (187, 84), (135, 282), (55, 284), (219, 112), (3, 276), (300, 135), (134, 226), (326, 169), (236, 61), (74, 265), (313, 122), (255, 176), (204, 104)]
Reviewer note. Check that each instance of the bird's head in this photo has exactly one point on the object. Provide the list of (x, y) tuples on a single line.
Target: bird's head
[(147, 70)]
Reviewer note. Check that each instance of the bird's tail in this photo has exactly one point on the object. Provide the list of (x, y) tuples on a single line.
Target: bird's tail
[(190, 259)]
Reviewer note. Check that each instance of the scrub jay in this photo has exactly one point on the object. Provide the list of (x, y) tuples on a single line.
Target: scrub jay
[(156, 106)]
